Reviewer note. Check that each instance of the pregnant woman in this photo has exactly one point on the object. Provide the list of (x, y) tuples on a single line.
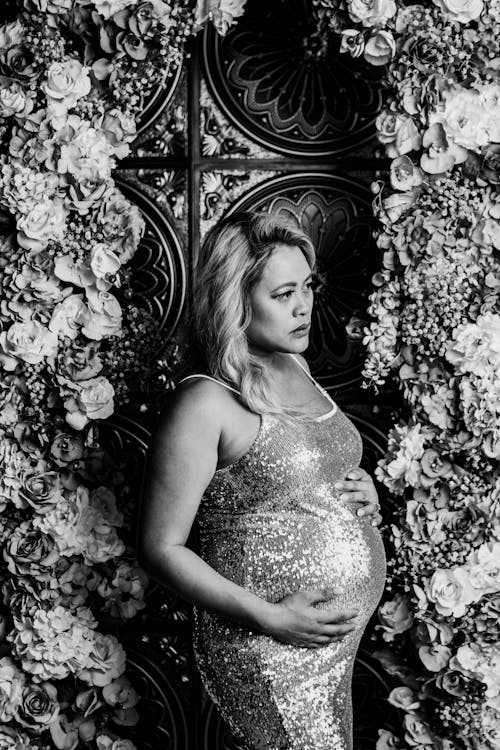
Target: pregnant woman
[(290, 565)]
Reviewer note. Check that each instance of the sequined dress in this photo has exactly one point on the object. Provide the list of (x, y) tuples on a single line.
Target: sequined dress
[(273, 523)]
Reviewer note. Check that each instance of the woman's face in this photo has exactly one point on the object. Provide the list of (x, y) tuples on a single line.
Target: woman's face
[(281, 302)]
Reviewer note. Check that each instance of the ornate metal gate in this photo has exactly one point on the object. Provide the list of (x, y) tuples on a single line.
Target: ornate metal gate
[(269, 116)]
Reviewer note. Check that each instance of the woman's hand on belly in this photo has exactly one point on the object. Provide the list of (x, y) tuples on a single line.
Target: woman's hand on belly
[(294, 620), (358, 487)]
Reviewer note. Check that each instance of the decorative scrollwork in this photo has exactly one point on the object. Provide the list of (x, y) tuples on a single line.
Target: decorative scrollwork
[(285, 84), (219, 137), (220, 189), (163, 706), (158, 267)]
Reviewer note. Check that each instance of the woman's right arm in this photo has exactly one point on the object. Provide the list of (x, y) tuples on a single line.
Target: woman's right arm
[(181, 463)]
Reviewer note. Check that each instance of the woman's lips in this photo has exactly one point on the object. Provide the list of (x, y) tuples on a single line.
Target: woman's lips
[(302, 330)]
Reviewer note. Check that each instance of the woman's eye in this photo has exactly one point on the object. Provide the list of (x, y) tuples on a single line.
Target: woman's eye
[(284, 295)]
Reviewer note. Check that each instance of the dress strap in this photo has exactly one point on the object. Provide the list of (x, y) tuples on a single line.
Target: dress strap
[(208, 377), (318, 386)]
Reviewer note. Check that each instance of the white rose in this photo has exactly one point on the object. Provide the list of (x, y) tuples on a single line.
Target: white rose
[(371, 12), (67, 316), (451, 592), (66, 82), (462, 11), (105, 663), (30, 342), (45, 221), (88, 399), (103, 316), (13, 99)]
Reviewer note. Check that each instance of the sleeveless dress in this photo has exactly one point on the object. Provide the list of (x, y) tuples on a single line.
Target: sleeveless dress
[(273, 523)]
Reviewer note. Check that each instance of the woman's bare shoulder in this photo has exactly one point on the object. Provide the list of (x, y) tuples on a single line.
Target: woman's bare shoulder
[(193, 402)]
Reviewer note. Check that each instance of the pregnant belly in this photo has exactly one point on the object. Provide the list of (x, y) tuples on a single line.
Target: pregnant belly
[(278, 554)]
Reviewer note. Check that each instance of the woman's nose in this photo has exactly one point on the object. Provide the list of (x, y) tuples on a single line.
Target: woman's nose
[(303, 305)]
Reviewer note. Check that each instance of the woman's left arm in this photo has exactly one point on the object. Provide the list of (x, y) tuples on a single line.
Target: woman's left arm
[(357, 486)]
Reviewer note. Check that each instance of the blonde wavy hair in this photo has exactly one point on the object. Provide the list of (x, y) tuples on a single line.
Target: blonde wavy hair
[(231, 260)]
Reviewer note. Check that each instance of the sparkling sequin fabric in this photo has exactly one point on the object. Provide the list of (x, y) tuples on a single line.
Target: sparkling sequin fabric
[(273, 523)]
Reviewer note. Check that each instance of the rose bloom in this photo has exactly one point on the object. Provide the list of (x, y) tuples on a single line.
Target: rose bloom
[(39, 707), (13, 99), (451, 592), (30, 553), (66, 82), (91, 399), (41, 490), (462, 11), (103, 317), (46, 221), (371, 12), (67, 316), (79, 362), (395, 617), (85, 191), (11, 687), (417, 731), (397, 132), (380, 48), (106, 661), (29, 342)]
